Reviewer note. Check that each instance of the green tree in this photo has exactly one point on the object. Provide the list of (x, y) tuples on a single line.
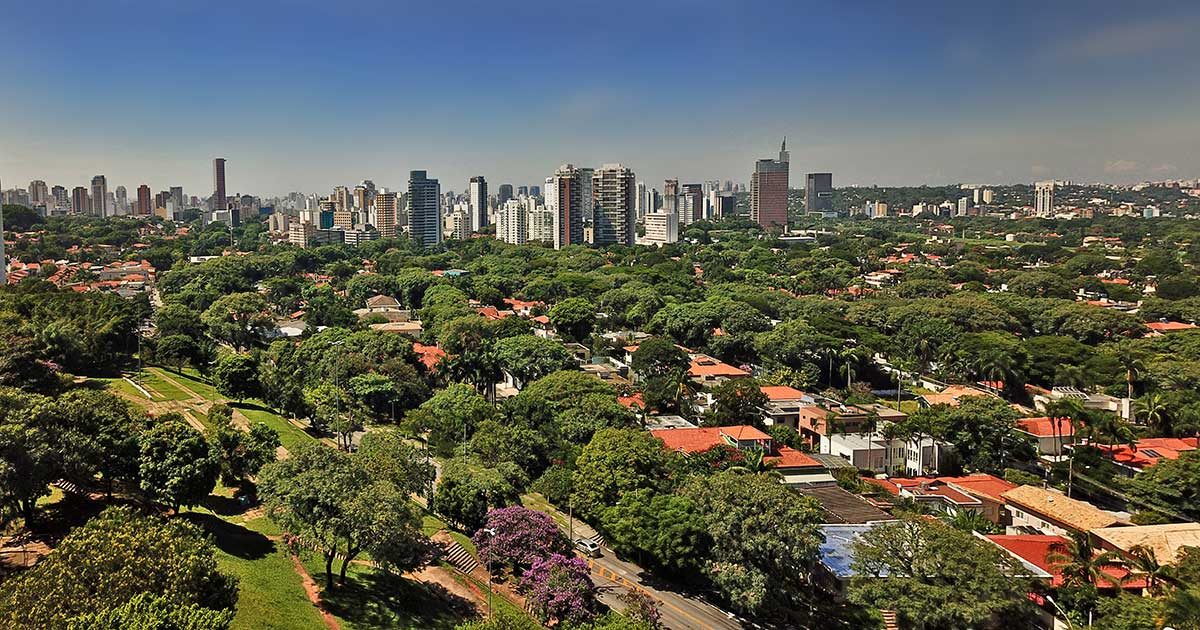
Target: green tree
[(1081, 564), (935, 576), (242, 453), (1170, 484), (574, 318), (658, 357), (236, 376), (112, 559), (528, 358), (450, 417), (389, 456), (664, 530), (176, 351), (615, 462), (737, 401), (334, 410), (467, 490), (178, 467), (239, 319), (148, 612)]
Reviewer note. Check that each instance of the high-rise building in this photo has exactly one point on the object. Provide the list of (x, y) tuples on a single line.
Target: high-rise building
[(988, 195), (540, 224), (143, 200), (62, 198), (641, 200), (218, 202), (504, 194), (769, 191), (671, 196), (424, 209), (39, 193), (80, 204), (177, 197), (662, 228), (522, 191), (534, 191), (818, 192), (343, 216), (614, 195), (964, 204), (569, 191), (99, 196), (459, 222), (385, 214), (341, 196), (512, 225), (122, 201), (1043, 203), (695, 202), (477, 200), (361, 200)]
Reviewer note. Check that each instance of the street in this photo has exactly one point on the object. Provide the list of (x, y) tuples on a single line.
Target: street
[(678, 611)]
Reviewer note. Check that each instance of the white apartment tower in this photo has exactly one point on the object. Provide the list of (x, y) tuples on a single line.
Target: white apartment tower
[(1043, 202), (614, 194), (512, 225)]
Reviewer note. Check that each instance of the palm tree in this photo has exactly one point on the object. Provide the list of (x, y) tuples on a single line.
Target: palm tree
[(1130, 358), (890, 433), (755, 463), (1079, 562), (1072, 376), (997, 366), (1153, 410), (1144, 562), (1072, 411), (850, 356), (970, 521)]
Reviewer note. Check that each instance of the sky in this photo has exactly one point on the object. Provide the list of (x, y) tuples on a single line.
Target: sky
[(309, 94)]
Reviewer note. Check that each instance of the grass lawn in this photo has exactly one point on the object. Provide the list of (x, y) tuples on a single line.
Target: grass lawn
[(289, 434), (152, 381), (535, 501), (121, 387), (270, 594), (370, 599)]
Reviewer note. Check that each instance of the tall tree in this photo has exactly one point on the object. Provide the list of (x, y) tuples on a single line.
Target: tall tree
[(178, 467)]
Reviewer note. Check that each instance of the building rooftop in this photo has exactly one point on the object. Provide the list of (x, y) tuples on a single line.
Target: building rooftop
[(1033, 549), (1148, 451), (1055, 506), (1046, 427), (781, 392), (844, 507), (1164, 540)]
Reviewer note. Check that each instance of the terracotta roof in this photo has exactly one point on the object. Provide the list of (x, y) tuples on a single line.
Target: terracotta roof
[(430, 355), (982, 485), (1148, 451), (789, 457), (1057, 507), (703, 438), (635, 400), (704, 365), (1169, 326), (382, 301), (781, 392), (1033, 548), (1164, 540), (1044, 426)]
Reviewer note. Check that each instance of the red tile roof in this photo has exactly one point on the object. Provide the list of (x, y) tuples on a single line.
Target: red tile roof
[(703, 438), (1149, 451), (1033, 548), (1169, 326), (781, 392), (635, 400), (1044, 426), (704, 365)]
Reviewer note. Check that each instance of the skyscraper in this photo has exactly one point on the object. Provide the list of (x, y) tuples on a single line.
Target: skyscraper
[(1043, 203), (504, 194), (614, 207), (122, 199), (769, 191), (641, 200), (99, 195), (818, 192), (177, 196), (670, 195), (512, 225), (478, 200), (385, 214), (568, 204), (219, 198), (424, 209), (79, 201), (39, 193), (695, 195), (143, 200)]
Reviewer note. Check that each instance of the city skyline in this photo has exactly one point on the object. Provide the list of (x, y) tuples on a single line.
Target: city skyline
[(1032, 92)]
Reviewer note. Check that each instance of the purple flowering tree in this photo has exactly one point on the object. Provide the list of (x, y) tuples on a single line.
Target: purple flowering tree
[(514, 537), (560, 588)]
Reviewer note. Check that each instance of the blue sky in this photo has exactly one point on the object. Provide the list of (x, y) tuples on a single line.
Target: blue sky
[(305, 94)]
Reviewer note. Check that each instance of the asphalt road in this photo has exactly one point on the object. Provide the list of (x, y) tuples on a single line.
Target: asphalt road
[(678, 611)]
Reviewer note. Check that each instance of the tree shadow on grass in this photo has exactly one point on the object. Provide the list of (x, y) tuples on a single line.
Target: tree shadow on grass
[(223, 506), (232, 538), (373, 599)]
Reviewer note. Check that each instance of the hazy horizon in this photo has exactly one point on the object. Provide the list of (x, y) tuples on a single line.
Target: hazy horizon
[(301, 95)]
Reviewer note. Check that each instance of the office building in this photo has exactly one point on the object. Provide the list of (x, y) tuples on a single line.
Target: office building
[(662, 228), (725, 205), (424, 209), (218, 201), (39, 193), (80, 204), (477, 199), (694, 195), (458, 222), (769, 191), (62, 198), (614, 207), (99, 196), (641, 200), (121, 201), (512, 225), (534, 191), (1043, 203), (569, 190), (522, 191), (143, 201), (818, 192), (177, 197), (361, 197), (964, 204), (670, 196), (385, 214), (504, 194)]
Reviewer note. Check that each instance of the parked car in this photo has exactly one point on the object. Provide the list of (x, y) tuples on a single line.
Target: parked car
[(588, 547)]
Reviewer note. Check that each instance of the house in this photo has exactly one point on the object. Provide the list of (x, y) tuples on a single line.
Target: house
[(783, 405), (1040, 510), (797, 468), (1036, 549), (980, 493), (707, 371), (951, 394), (1146, 452), (1158, 329), (1089, 400), (1050, 434), (1165, 541), (410, 328), (385, 307)]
